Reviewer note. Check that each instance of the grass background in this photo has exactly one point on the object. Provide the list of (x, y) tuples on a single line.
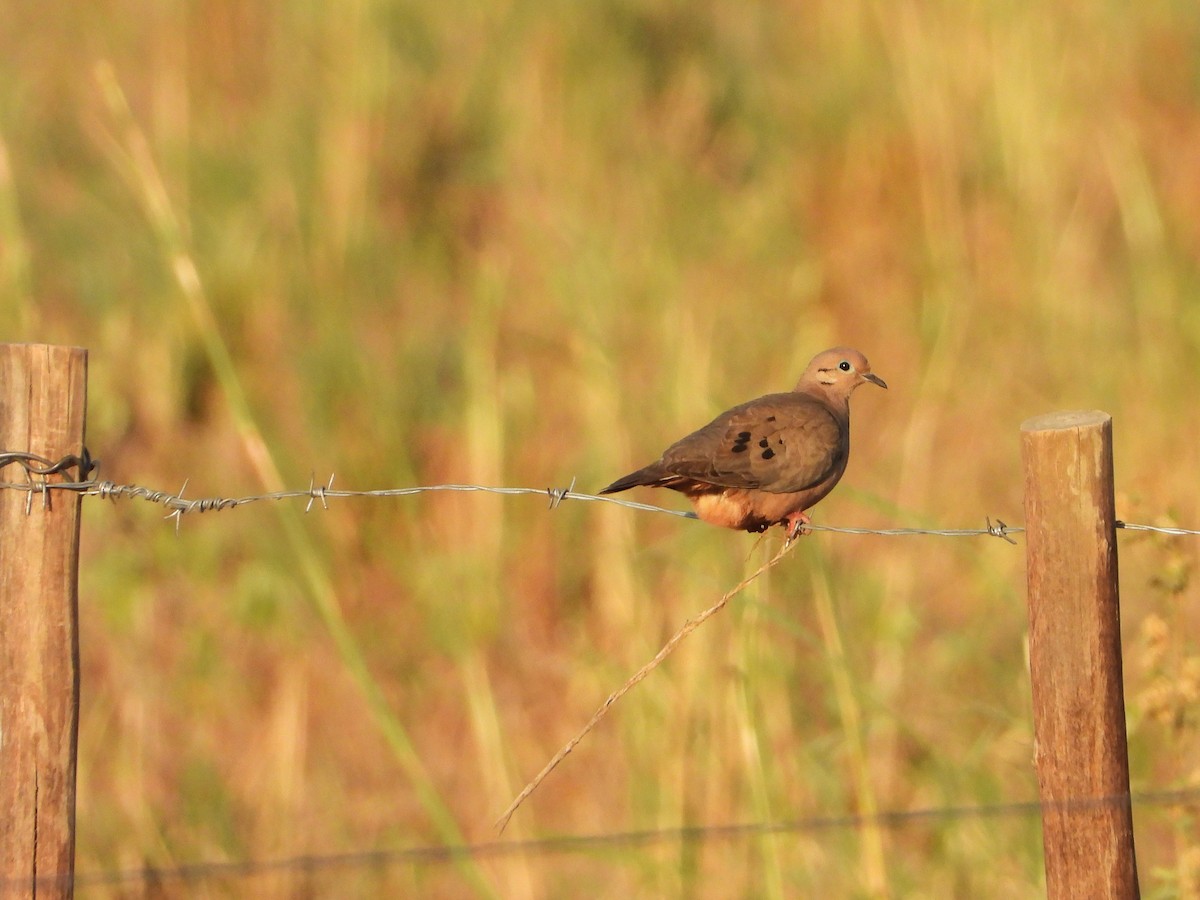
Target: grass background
[(519, 242)]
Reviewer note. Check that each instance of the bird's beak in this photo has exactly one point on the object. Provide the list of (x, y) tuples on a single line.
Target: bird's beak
[(875, 379)]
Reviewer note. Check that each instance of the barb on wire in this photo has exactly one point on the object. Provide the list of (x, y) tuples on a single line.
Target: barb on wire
[(318, 492), (558, 494), (177, 513)]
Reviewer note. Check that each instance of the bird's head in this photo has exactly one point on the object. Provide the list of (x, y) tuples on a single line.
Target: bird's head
[(838, 372)]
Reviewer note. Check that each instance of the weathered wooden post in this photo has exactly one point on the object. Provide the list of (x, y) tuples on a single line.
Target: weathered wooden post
[(43, 392), (1075, 656)]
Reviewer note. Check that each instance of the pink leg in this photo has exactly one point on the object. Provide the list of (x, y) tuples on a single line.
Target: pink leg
[(795, 524)]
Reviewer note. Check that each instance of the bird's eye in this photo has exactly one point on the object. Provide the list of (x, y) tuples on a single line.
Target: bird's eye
[(844, 365)]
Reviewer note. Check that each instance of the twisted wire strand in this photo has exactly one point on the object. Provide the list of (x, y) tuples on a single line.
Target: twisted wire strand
[(38, 470)]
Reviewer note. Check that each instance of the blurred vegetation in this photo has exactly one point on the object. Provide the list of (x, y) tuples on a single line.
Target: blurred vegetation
[(520, 242)]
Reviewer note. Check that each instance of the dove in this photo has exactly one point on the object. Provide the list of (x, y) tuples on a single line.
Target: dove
[(770, 460)]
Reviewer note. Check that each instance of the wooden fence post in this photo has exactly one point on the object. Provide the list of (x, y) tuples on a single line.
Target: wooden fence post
[(1075, 656), (43, 392)]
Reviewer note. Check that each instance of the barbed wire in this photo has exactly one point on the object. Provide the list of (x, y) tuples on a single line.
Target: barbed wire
[(559, 844), (38, 470)]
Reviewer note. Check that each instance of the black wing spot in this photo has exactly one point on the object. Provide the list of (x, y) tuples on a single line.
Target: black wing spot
[(768, 453), (739, 448), (742, 443), (743, 436), (764, 443), (770, 418)]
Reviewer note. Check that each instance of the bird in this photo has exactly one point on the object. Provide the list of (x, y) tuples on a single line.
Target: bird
[(767, 461)]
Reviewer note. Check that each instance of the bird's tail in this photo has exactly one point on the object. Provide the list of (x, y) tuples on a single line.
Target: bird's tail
[(651, 476)]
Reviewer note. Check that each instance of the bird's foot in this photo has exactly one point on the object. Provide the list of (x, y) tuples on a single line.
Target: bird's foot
[(795, 523)]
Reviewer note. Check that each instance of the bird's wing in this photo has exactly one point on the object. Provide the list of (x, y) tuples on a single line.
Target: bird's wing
[(779, 443)]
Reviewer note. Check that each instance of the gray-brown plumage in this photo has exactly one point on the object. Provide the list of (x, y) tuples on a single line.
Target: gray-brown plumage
[(767, 461)]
